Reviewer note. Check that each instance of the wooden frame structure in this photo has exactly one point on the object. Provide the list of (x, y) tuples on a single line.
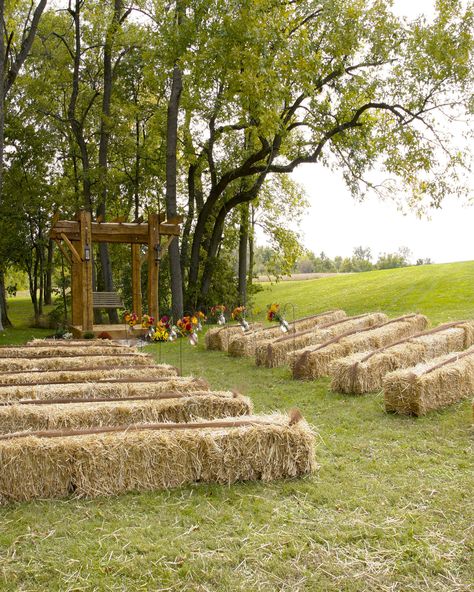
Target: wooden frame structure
[(80, 234)]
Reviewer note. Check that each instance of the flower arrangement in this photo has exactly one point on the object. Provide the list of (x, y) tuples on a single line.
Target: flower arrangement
[(238, 313), (201, 318), (165, 320), (147, 321), (274, 314), (104, 335), (161, 333), (218, 313), (187, 327), (130, 318)]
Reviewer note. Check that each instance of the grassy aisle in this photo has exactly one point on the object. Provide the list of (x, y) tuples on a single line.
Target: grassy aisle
[(390, 508)]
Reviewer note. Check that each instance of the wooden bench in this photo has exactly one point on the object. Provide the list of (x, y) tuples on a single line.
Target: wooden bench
[(106, 300)]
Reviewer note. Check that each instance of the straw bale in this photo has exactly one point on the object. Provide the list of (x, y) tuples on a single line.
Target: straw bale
[(246, 344), (314, 361), (154, 457), (96, 390), (363, 372), (74, 343), (84, 375), (218, 338), (76, 414), (430, 385), (93, 361), (61, 351), (274, 353)]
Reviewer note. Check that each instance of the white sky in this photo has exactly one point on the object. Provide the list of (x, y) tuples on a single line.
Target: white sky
[(336, 224)]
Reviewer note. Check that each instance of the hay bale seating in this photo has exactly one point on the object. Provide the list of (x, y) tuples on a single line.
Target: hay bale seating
[(430, 385), (73, 343), (364, 372), (34, 415), (274, 353), (120, 389), (85, 361), (218, 338), (315, 361), (113, 372), (246, 344), (116, 460), (63, 351)]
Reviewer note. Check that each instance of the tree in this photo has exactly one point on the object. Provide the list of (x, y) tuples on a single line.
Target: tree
[(12, 58)]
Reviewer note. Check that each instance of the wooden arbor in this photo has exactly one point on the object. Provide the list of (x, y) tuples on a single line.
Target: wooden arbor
[(79, 236)]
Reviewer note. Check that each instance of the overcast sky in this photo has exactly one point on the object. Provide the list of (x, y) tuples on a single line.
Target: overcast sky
[(336, 224)]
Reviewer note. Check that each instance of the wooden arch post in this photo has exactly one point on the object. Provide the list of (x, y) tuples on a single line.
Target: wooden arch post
[(153, 264)]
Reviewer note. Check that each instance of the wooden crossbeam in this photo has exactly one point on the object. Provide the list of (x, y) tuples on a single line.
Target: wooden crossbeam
[(112, 232), (72, 248)]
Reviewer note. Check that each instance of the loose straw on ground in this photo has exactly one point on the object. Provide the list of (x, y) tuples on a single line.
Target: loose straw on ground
[(275, 353), (156, 456), (431, 385), (86, 413), (125, 360), (218, 338), (315, 361), (115, 372), (246, 344), (120, 389), (364, 372)]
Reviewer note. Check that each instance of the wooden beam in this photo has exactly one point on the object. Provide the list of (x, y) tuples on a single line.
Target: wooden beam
[(66, 254), (75, 255), (110, 232), (153, 264), (137, 281)]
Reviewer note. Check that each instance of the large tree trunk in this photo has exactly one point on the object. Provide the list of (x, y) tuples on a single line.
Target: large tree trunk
[(251, 247), (171, 204), (48, 276), (106, 265), (243, 244)]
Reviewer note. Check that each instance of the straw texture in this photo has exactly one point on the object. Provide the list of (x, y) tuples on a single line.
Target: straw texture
[(74, 343), (364, 372), (218, 338), (97, 390), (315, 361), (19, 417), (63, 351), (431, 385), (140, 460), (93, 361), (87, 375), (246, 344), (275, 353)]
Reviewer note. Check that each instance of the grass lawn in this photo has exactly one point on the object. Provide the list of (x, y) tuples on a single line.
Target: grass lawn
[(390, 508), (20, 312)]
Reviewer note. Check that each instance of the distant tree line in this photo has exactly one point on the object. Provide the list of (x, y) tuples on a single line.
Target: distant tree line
[(267, 261)]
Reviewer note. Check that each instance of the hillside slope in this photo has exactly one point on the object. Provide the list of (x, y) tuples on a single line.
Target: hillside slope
[(443, 292)]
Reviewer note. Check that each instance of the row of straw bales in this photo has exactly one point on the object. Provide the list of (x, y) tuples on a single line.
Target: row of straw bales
[(246, 344), (274, 353), (364, 372), (75, 414), (430, 385), (126, 360), (315, 361), (55, 351), (99, 421), (115, 460), (218, 338)]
